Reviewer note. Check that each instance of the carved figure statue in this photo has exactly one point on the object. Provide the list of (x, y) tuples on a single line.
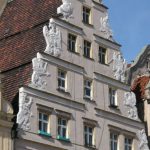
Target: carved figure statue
[(53, 39), (130, 101), (24, 114), (143, 140), (119, 67), (39, 70), (65, 9), (105, 28)]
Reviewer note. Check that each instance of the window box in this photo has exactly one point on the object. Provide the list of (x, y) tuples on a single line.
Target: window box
[(63, 138), (44, 133)]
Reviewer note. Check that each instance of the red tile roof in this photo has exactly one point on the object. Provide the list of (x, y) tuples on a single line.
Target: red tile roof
[(21, 38), (139, 85)]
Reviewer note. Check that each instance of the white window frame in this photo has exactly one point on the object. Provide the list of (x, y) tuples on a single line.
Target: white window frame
[(86, 14), (87, 133), (70, 40), (113, 141), (87, 87), (44, 122), (127, 144), (113, 96), (62, 127), (62, 79), (102, 54)]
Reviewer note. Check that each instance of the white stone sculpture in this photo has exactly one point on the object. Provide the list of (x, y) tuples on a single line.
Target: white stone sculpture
[(119, 67), (39, 70), (24, 114), (143, 140), (130, 101), (53, 39), (65, 9), (105, 28)]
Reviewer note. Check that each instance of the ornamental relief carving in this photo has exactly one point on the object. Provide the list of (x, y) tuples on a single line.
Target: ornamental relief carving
[(65, 9), (143, 140), (119, 67), (105, 28), (130, 102), (53, 39), (24, 114), (39, 70)]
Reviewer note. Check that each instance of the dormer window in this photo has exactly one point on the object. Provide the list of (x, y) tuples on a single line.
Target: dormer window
[(86, 15)]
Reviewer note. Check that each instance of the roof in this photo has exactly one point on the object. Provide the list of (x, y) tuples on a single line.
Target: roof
[(21, 37)]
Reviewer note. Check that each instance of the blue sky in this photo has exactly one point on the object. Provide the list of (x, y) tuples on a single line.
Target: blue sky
[(130, 22)]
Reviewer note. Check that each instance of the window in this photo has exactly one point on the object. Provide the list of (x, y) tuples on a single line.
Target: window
[(62, 79), (113, 97), (102, 55), (113, 141), (71, 43), (128, 143), (86, 15), (62, 128), (88, 136), (44, 124), (87, 48), (87, 89)]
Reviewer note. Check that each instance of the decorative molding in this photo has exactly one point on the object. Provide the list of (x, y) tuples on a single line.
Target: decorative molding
[(130, 101), (65, 9), (119, 67), (39, 70), (120, 119), (105, 28), (53, 39), (143, 140), (112, 82), (24, 114)]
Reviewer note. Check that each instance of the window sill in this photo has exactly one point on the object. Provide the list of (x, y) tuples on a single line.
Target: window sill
[(89, 99), (88, 24), (90, 146), (114, 106), (44, 133), (76, 53), (63, 138), (63, 91), (104, 64), (88, 58)]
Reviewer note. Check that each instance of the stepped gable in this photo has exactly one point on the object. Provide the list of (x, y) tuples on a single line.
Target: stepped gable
[(21, 37)]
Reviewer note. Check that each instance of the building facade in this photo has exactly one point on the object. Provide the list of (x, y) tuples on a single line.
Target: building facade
[(70, 73), (77, 98)]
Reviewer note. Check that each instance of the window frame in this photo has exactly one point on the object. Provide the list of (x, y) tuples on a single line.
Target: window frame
[(114, 141), (86, 16), (87, 50), (129, 145), (113, 102), (61, 79), (86, 87), (102, 55), (71, 40), (41, 131)]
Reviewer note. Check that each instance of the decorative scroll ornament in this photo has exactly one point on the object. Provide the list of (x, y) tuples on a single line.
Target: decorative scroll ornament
[(105, 28), (130, 101), (39, 70), (65, 9), (24, 114), (119, 67), (143, 140), (53, 39)]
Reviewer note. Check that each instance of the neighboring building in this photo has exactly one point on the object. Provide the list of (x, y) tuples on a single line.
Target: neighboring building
[(73, 95), (139, 78)]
